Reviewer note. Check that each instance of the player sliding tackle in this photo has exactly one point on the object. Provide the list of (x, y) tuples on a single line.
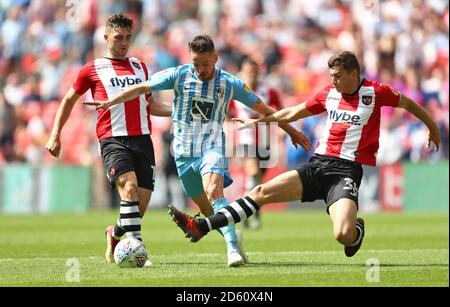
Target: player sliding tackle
[(334, 174), (202, 94)]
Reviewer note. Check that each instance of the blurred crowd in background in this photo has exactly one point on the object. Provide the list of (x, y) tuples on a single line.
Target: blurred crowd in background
[(44, 43)]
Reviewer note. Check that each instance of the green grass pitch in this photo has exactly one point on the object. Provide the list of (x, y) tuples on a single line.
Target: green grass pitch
[(294, 248)]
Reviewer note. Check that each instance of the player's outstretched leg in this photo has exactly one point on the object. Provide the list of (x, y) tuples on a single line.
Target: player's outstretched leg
[(352, 249), (196, 228)]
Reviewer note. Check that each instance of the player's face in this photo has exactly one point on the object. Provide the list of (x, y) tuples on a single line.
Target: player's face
[(119, 40), (204, 64), (250, 75), (345, 82)]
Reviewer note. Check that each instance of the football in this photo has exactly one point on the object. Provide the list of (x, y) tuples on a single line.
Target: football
[(130, 253)]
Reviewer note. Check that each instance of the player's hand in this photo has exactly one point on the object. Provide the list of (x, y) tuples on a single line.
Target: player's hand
[(299, 138), (53, 145), (246, 123), (104, 105), (435, 137)]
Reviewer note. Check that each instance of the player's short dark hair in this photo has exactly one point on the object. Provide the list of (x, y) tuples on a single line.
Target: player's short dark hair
[(346, 59), (119, 21), (201, 44)]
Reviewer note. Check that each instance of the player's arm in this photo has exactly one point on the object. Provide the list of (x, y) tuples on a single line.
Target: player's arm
[(53, 144), (127, 94), (418, 111), (158, 108), (287, 115)]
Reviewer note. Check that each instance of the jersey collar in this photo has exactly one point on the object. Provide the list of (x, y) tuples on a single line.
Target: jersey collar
[(216, 73), (361, 81), (113, 59)]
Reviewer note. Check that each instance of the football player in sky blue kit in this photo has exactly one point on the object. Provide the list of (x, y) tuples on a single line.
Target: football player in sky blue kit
[(202, 95)]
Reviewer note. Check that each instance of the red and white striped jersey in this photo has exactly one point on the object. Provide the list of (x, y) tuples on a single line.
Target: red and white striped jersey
[(106, 78), (353, 124)]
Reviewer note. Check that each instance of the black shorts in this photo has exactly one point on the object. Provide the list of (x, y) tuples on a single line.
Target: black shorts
[(330, 179), (122, 154)]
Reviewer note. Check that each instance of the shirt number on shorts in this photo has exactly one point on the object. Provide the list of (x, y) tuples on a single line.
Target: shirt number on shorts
[(350, 185)]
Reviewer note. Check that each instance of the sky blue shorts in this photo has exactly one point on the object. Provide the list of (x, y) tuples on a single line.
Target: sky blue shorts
[(191, 170)]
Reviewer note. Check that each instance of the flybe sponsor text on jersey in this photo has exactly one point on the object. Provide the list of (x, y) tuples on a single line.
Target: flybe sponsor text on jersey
[(124, 81), (345, 117)]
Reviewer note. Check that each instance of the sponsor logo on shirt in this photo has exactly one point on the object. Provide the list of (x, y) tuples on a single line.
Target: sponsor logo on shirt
[(124, 81), (334, 98), (345, 117), (201, 109), (247, 89), (103, 66)]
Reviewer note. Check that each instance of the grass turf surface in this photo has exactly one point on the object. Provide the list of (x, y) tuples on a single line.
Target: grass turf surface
[(294, 248)]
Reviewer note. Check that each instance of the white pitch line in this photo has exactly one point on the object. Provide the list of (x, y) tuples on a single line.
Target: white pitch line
[(279, 253)]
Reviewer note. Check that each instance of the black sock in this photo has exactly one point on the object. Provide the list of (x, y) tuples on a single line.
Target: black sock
[(233, 213), (130, 219), (118, 230)]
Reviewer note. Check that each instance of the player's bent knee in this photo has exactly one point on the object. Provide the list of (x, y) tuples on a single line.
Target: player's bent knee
[(214, 191)]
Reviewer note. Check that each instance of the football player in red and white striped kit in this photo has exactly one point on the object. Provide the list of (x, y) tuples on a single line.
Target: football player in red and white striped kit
[(334, 174), (123, 130)]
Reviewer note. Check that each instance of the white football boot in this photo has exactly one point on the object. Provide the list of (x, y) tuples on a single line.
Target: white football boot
[(234, 258)]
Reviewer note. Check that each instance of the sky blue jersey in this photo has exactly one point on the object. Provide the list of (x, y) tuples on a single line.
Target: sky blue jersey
[(200, 107)]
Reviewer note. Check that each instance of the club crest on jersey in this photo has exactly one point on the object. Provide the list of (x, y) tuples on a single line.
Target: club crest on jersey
[(136, 65), (220, 93), (367, 100)]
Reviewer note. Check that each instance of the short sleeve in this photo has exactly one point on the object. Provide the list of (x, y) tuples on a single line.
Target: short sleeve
[(387, 96), (83, 81), (243, 93), (317, 104), (164, 80)]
